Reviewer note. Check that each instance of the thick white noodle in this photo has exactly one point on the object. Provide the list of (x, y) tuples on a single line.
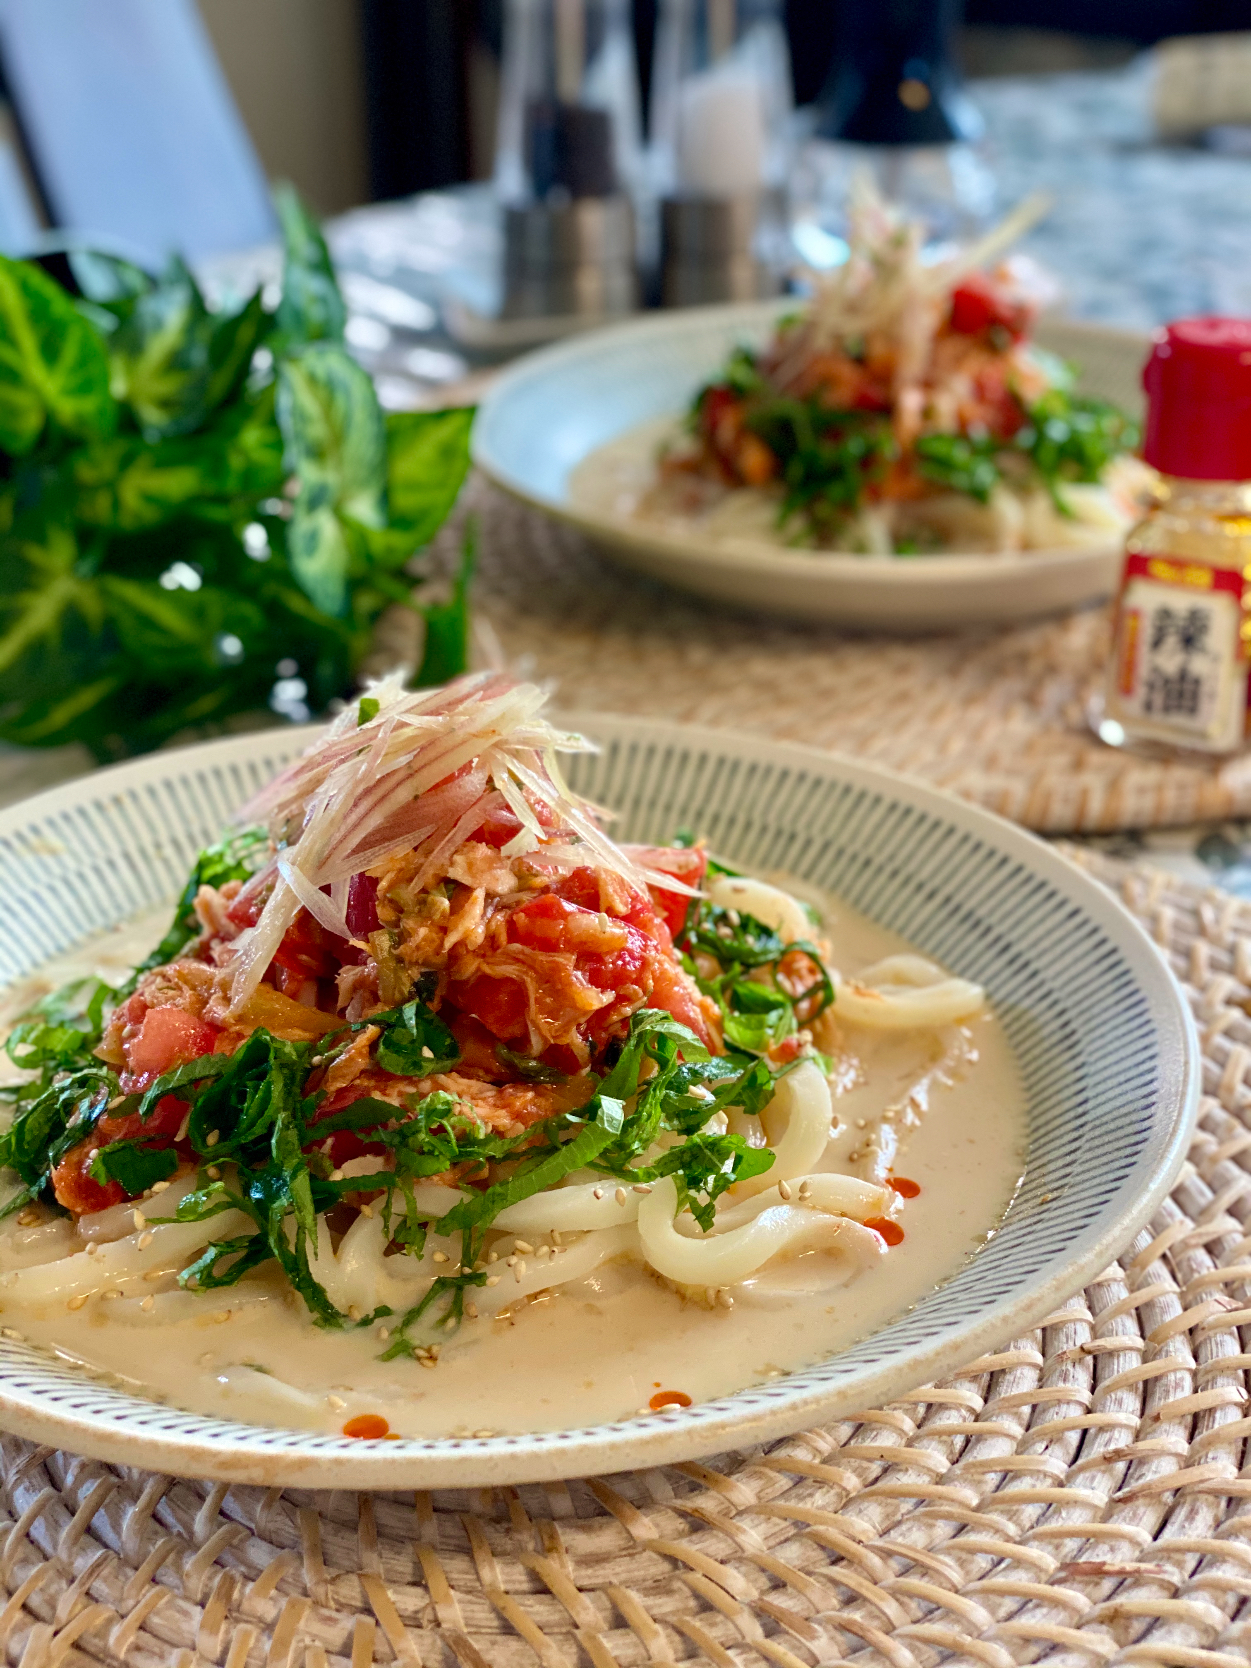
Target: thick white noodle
[(777, 909), (726, 1259), (573, 1262), (836, 1195), (906, 992), (796, 1124), (170, 1248), (571, 1209)]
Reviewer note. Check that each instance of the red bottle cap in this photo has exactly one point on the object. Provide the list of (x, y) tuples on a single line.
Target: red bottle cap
[(1198, 382)]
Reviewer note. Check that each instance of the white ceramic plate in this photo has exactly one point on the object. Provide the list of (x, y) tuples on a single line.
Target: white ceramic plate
[(547, 412), (1102, 1035)]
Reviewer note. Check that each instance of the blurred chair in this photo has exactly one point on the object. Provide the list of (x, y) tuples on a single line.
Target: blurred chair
[(130, 127)]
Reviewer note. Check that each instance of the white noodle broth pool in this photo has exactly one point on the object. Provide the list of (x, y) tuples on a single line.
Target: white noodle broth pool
[(593, 1349)]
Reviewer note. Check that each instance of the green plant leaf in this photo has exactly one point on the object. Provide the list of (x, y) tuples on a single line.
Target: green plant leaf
[(312, 308), (53, 368), (427, 460), (160, 355), (51, 622), (335, 443), (445, 652), (235, 338), (177, 632)]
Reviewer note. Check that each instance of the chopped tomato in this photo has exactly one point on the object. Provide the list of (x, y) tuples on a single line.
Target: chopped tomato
[(72, 1182), (978, 304), (687, 864), (500, 1005), (167, 1037), (309, 951)]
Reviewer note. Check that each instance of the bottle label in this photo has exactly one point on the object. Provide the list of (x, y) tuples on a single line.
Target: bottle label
[(1181, 651)]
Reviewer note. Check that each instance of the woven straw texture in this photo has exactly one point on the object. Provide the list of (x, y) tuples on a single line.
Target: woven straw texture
[(1078, 1497), (997, 717)]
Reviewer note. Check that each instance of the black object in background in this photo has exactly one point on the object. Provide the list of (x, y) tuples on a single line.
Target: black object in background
[(894, 75), (570, 150), (416, 101), (1142, 21)]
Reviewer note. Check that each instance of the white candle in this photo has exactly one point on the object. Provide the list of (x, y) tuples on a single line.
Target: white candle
[(721, 134)]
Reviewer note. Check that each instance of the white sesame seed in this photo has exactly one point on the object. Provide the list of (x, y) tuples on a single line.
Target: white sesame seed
[(148, 1302), (427, 1361), (555, 1237), (353, 1313), (493, 1279), (159, 1187), (620, 1195), (155, 1274), (523, 1245), (213, 1173), (805, 1190), (93, 1249), (493, 1256), (482, 1435), (471, 1309), (518, 1270), (112, 1292), (511, 1262), (336, 1175), (597, 1193), (427, 1053), (146, 1239), (221, 1316), (641, 1187), (139, 1219), (336, 1404), (213, 1137), (318, 1060), (544, 1251), (77, 1302), (441, 1257), (367, 1210), (784, 1188), (28, 1217), (384, 1333)]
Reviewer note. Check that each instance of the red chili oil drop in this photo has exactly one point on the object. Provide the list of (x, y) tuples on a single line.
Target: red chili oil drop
[(906, 1189), (369, 1427), (890, 1231), (669, 1398)]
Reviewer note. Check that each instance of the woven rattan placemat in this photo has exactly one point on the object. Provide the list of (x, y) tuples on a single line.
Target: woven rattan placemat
[(1078, 1497), (998, 717)]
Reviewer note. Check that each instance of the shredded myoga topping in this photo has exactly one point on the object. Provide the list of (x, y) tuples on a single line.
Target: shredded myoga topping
[(423, 1043)]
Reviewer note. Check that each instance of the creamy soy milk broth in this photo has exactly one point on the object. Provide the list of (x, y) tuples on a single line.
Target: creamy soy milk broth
[(594, 1350)]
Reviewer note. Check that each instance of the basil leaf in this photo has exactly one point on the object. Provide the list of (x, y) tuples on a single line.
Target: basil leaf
[(53, 369), (534, 1176), (415, 1042), (225, 1262), (134, 1166)]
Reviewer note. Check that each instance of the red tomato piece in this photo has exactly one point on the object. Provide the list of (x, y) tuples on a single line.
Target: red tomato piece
[(167, 1037), (362, 905), (500, 1004), (978, 302), (309, 951)]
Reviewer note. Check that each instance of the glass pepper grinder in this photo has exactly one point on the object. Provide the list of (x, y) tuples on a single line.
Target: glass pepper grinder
[(568, 158), (893, 106), (1182, 631), (721, 103)]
